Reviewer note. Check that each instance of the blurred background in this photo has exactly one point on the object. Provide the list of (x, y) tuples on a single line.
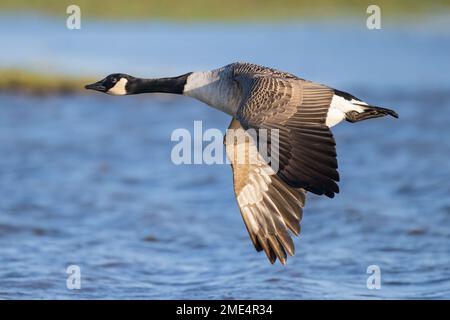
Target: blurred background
[(86, 179)]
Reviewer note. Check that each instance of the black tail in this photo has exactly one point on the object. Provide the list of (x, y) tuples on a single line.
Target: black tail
[(369, 113)]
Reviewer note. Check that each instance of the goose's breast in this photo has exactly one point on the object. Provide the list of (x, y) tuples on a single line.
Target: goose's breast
[(214, 89)]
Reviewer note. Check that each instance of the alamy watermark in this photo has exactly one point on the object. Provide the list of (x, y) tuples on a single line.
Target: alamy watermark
[(374, 280), (73, 281), (73, 21), (238, 146), (374, 19)]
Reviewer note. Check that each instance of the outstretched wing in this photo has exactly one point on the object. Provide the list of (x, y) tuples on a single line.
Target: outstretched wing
[(298, 110), (268, 205)]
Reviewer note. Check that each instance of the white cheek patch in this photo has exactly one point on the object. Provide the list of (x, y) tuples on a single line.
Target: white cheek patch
[(119, 89)]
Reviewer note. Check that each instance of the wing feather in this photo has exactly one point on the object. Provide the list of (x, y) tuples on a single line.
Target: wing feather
[(297, 109), (269, 206)]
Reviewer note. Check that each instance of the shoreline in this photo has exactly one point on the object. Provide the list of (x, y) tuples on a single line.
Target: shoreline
[(34, 83), (231, 11)]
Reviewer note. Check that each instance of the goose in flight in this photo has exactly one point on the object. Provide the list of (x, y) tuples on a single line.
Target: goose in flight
[(302, 112)]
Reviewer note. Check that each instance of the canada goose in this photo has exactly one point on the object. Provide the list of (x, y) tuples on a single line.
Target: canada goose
[(257, 97)]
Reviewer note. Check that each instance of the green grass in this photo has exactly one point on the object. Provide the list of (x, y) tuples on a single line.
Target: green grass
[(192, 10), (20, 81), (225, 9)]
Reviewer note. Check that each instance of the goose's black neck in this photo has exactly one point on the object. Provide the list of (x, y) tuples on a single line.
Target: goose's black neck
[(165, 85)]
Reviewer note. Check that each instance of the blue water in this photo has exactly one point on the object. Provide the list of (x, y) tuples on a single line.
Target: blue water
[(88, 180)]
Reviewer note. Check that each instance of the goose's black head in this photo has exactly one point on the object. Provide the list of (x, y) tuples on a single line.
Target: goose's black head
[(121, 84), (117, 84)]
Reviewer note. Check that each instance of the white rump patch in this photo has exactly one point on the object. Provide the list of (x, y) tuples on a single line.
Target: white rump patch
[(339, 107)]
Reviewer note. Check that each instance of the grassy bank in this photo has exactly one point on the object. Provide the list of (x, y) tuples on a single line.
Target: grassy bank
[(21, 81), (225, 10)]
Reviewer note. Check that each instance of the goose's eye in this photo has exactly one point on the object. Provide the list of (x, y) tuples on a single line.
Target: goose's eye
[(113, 80)]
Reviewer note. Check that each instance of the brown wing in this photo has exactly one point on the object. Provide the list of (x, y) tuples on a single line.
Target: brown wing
[(298, 110), (268, 205), (240, 68)]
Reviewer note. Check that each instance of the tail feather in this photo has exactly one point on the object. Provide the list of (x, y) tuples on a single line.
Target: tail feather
[(357, 110)]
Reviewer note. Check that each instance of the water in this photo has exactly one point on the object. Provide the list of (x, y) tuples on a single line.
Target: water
[(87, 180)]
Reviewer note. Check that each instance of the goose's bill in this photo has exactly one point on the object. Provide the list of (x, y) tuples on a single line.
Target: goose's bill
[(98, 86)]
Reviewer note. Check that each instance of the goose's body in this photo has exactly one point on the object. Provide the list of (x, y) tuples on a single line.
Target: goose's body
[(302, 112)]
